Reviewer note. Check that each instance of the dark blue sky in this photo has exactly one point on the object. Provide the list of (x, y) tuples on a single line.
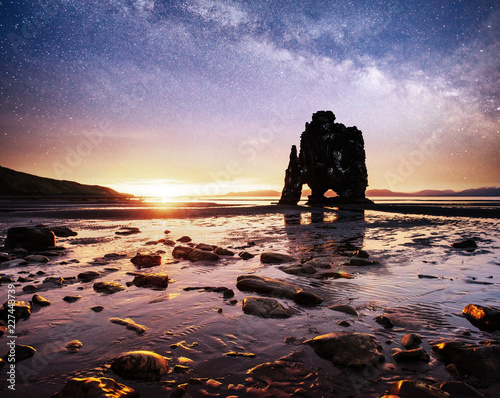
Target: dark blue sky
[(179, 91)]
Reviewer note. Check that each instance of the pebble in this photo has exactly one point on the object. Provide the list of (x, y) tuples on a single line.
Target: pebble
[(71, 299)]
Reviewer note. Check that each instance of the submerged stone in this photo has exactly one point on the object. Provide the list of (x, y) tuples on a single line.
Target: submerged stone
[(265, 307)]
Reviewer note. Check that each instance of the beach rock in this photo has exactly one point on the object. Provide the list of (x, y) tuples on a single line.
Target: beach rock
[(465, 244), (87, 276), (6, 279), (145, 261), (4, 257), (184, 239), (125, 231), (240, 354), (145, 365), (485, 318), (108, 287), (415, 389), (30, 288), (245, 255), (416, 354), (156, 280), (168, 242), (71, 299), (332, 156), (480, 359), (14, 263), (275, 258), (97, 308), (181, 252), (384, 321), (55, 280), (275, 287), (410, 340), (264, 307), (347, 309), (129, 324), (24, 352), (92, 387), (458, 389), (63, 232), (74, 346), (223, 252), (31, 239), (356, 350), (21, 310), (298, 269), (201, 255), (319, 262), (359, 262), (205, 247), (36, 258), (361, 254)]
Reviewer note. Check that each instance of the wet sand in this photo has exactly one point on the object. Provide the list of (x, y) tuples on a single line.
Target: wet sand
[(419, 281)]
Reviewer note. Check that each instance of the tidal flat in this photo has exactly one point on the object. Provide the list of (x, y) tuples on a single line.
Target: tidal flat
[(399, 267)]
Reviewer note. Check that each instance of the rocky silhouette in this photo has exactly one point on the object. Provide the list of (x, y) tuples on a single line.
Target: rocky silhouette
[(332, 156)]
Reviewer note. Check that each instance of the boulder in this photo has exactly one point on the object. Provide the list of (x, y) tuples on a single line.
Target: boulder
[(72, 298), (63, 232), (202, 255), (146, 260), (108, 287), (40, 301), (410, 340), (145, 365), (21, 310), (485, 318), (356, 350), (319, 262), (347, 309), (465, 244), (332, 156), (24, 352), (417, 354), (205, 247), (245, 255), (87, 276), (479, 359), (92, 387), (154, 280), (415, 389), (181, 252), (264, 307), (31, 239), (275, 258), (223, 252), (275, 287)]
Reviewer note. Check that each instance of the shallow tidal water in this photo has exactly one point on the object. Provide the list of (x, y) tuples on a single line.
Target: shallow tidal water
[(420, 282)]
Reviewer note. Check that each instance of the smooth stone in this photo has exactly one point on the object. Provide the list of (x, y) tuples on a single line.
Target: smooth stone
[(276, 258), (343, 323), (415, 389), (166, 232), (347, 309), (30, 238), (145, 365), (299, 269), (147, 260), (181, 369), (127, 231), (411, 340), (361, 254), (223, 252), (480, 359), (36, 258), (23, 352), (245, 255), (71, 299), (108, 287), (30, 288), (356, 350), (157, 280), (97, 308), (129, 324), (63, 231), (205, 247), (184, 239), (465, 244), (458, 389), (360, 262), (87, 276), (4, 257), (20, 251), (240, 354), (275, 287), (92, 387), (74, 345), (417, 354), (57, 280), (14, 263), (168, 242), (22, 310), (384, 321), (6, 279), (201, 255), (485, 318), (264, 307), (181, 252), (319, 262)]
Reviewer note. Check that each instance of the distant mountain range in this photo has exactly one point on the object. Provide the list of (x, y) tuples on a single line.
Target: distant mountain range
[(373, 193), (15, 183)]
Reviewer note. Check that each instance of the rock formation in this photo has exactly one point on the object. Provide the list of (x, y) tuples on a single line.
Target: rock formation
[(332, 156)]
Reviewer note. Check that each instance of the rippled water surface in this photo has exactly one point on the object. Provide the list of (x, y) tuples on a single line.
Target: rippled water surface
[(420, 282)]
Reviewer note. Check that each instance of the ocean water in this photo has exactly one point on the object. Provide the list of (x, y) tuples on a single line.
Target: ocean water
[(420, 282)]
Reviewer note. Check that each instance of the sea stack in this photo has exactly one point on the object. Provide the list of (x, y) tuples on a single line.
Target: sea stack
[(332, 156)]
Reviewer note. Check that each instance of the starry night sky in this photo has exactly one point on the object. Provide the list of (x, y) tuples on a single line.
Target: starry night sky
[(211, 94)]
